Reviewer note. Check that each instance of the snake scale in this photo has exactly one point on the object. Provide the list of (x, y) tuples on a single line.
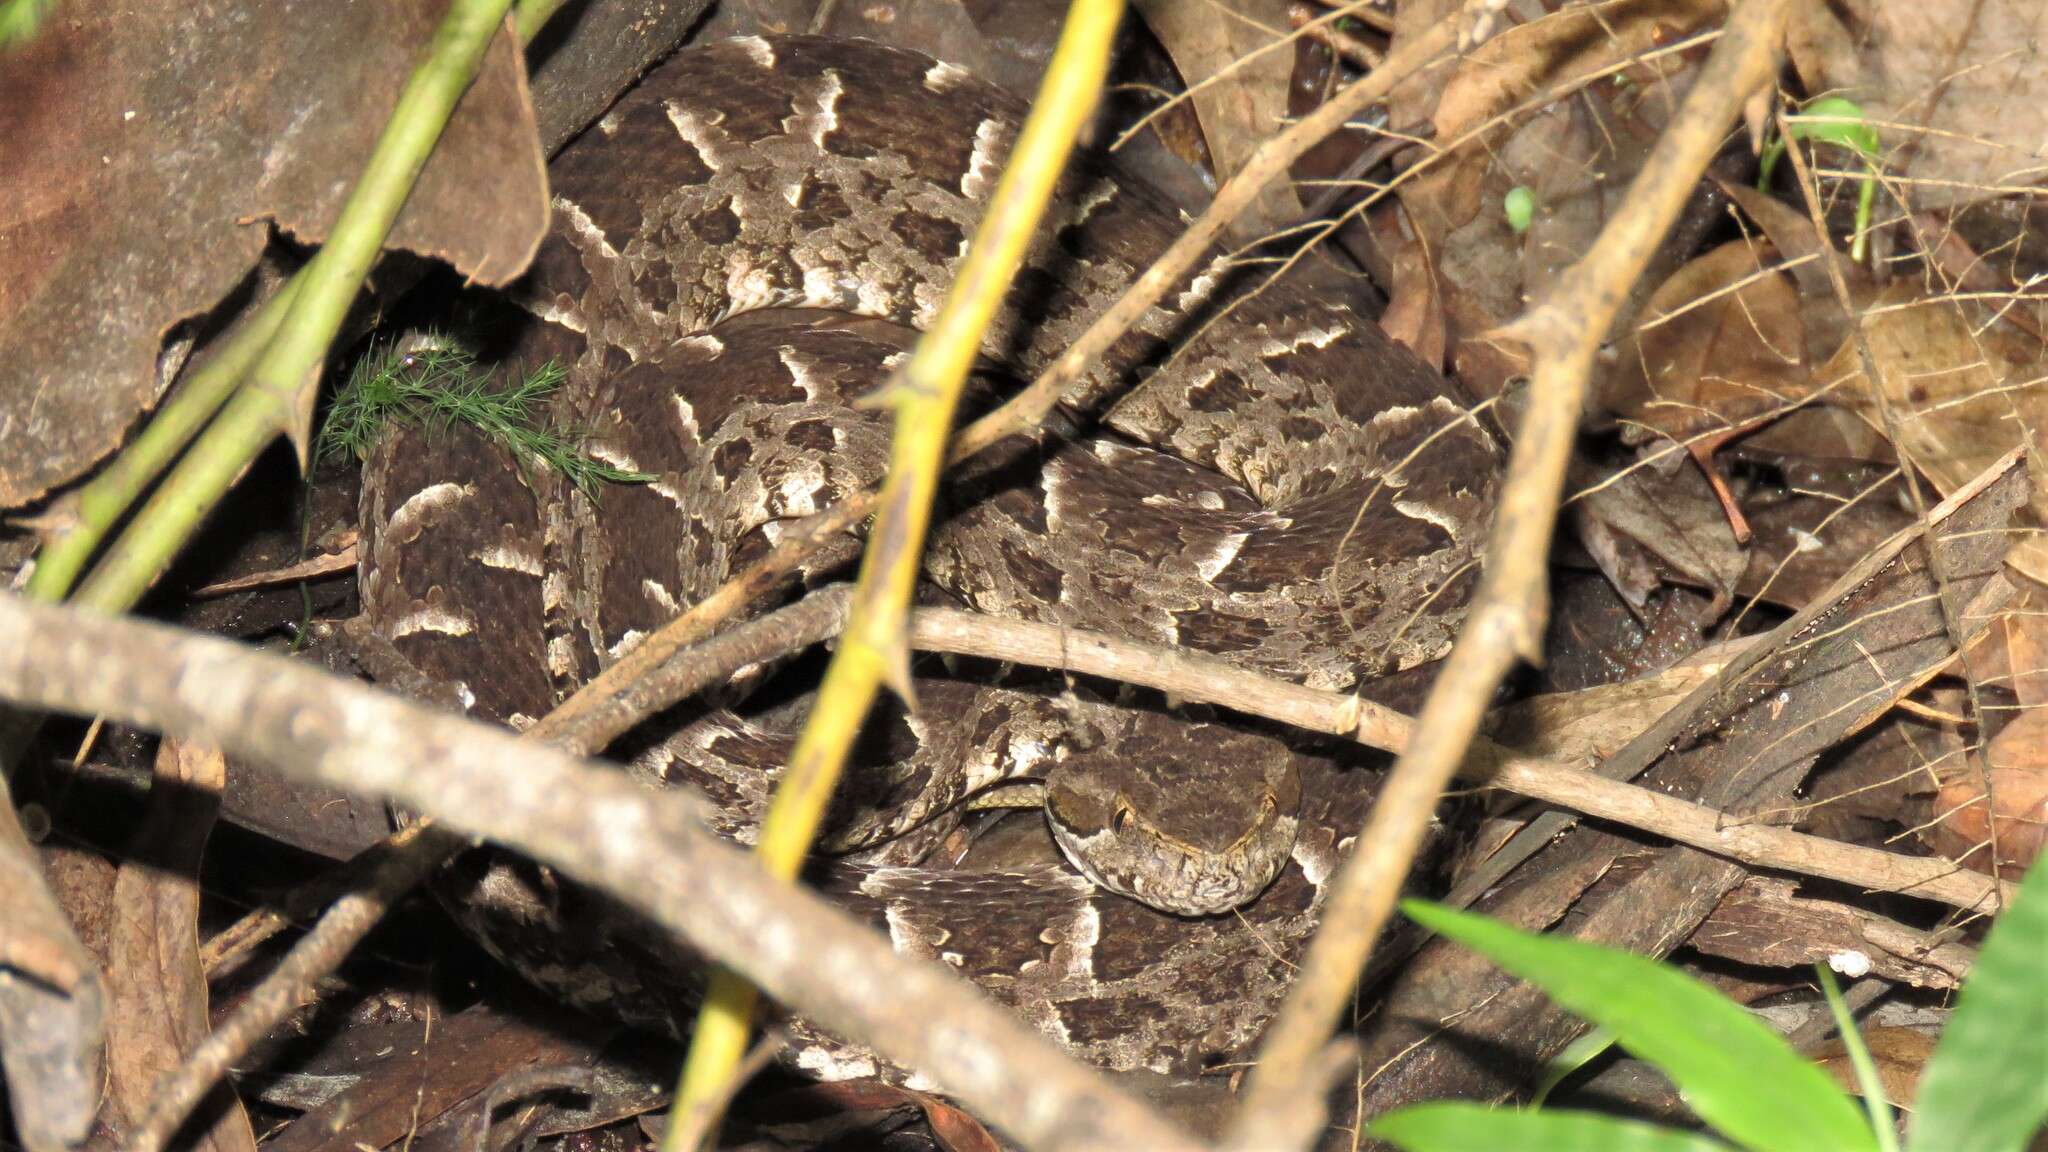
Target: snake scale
[(742, 247)]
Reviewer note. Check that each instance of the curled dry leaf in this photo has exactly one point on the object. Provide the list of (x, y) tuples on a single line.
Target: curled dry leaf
[(134, 176), (1672, 515)]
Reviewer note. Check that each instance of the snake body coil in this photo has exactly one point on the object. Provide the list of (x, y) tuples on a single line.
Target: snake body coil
[(741, 248)]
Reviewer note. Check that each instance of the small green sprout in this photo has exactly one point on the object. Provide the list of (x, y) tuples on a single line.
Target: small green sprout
[(437, 387), (1520, 206), (1836, 121)]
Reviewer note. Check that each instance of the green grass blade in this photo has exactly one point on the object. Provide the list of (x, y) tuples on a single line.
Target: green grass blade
[(1575, 1056), (1461, 1127), (1986, 1089), (1741, 1077), (1874, 1103)]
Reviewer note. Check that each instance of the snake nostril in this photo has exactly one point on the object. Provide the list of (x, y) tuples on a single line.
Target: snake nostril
[(1120, 819)]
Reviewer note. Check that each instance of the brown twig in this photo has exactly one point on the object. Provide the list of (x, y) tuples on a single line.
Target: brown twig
[(357, 894), (1354, 51), (647, 848), (800, 625), (1507, 620), (289, 986), (1193, 676), (1888, 416)]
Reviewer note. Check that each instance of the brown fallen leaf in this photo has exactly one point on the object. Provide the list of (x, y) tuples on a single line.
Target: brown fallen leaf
[(144, 145), (1593, 723), (2014, 768), (1524, 60), (1963, 388), (412, 1074), (155, 986), (1718, 346), (1240, 98), (1576, 152), (1956, 92), (1415, 307), (1899, 1053)]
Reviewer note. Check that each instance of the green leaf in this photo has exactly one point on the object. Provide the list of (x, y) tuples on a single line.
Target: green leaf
[(1986, 1089), (1837, 121), (1461, 1127), (1739, 1075), (1520, 206), (1576, 1055)]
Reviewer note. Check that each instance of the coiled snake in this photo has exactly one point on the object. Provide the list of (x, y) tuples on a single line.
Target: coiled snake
[(741, 248)]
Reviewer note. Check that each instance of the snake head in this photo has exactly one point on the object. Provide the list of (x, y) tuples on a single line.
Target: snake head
[(1191, 819)]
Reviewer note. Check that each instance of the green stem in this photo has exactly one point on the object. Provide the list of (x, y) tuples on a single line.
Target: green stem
[(1867, 1079), (104, 500), (530, 16), (289, 366)]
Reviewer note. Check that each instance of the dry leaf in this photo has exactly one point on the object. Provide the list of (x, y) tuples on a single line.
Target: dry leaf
[(1241, 107), (1899, 1053), (1957, 92), (1718, 346), (1524, 61), (156, 987), (2017, 776), (1415, 308), (135, 178), (1674, 517), (1594, 723), (1575, 153), (1963, 389)]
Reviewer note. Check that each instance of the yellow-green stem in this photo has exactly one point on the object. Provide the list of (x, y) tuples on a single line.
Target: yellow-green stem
[(875, 647), (103, 501)]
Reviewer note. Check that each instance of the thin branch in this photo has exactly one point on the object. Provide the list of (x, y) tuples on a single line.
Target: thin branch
[(355, 894), (1880, 395), (1194, 676), (1507, 620), (598, 827)]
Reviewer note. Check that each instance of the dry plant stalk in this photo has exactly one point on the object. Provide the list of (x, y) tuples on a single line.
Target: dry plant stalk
[(1507, 619)]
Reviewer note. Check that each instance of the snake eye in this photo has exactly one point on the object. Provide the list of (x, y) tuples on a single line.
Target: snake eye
[(1120, 819)]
